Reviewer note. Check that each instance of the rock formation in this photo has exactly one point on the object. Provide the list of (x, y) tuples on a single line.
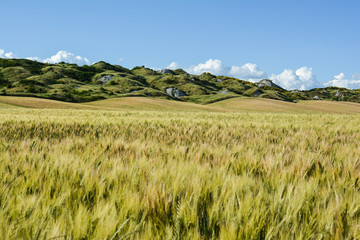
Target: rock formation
[(174, 92)]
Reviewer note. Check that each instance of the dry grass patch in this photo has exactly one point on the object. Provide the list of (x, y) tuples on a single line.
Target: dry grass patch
[(154, 104), (39, 103), (270, 105)]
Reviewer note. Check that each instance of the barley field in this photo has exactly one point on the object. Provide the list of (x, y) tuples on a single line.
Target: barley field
[(93, 174)]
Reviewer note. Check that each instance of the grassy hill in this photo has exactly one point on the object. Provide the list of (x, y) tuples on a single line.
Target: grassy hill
[(73, 83)]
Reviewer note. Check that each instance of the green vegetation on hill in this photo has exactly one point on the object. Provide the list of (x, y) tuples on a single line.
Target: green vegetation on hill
[(335, 94), (73, 83)]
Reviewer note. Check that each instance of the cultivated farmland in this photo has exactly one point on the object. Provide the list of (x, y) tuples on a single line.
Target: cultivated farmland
[(91, 174)]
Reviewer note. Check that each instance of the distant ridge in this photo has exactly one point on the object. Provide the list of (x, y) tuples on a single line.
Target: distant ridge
[(73, 83)]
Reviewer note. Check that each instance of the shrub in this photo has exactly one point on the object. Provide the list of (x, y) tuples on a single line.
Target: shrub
[(13, 74)]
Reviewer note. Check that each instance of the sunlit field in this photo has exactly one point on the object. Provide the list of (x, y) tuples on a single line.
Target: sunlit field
[(92, 174)]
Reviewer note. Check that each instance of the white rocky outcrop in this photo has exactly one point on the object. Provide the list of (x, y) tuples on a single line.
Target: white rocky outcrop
[(174, 92), (166, 71), (226, 91), (267, 82), (106, 78)]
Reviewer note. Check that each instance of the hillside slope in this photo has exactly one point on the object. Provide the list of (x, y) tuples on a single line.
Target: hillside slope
[(72, 83), (241, 104), (270, 105), (124, 103)]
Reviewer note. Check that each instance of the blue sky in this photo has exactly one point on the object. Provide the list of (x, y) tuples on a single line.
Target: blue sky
[(298, 44)]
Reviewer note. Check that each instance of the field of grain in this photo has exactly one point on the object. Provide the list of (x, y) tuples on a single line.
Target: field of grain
[(239, 104), (91, 174)]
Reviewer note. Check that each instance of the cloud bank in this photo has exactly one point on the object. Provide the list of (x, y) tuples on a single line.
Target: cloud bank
[(173, 66), (340, 80), (4, 54), (302, 78), (213, 66), (63, 56), (248, 71)]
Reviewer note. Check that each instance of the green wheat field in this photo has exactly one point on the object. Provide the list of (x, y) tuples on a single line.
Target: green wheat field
[(96, 174)]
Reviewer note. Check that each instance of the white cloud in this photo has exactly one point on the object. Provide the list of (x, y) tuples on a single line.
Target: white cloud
[(341, 81), (9, 55), (4, 54), (34, 59), (173, 66), (212, 66), (303, 78), (64, 56), (61, 56), (248, 71)]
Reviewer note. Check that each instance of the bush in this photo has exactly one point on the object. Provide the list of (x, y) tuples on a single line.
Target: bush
[(33, 67), (13, 74), (33, 89), (113, 83), (79, 75)]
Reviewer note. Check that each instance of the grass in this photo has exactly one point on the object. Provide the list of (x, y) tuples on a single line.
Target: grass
[(270, 105), (29, 102), (206, 99), (150, 104), (84, 174), (238, 104)]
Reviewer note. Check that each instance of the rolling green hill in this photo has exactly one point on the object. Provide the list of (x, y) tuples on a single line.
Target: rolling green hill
[(73, 83)]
